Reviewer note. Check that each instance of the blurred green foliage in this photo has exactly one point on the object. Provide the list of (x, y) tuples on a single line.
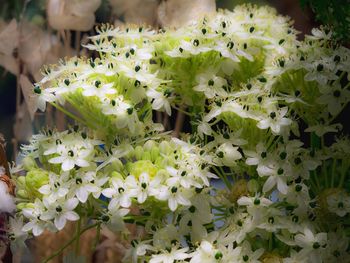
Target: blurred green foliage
[(334, 13)]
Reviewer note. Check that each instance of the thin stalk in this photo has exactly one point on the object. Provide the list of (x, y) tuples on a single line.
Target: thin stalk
[(77, 243), (68, 113), (333, 172), (97, 238), (223, 177), (343, 172), (58, 252)]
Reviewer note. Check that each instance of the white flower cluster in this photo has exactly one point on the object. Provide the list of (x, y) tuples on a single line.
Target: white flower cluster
[(76, 170), (249, 88)]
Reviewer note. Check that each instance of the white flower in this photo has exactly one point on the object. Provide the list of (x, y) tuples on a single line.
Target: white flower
[(205, 253), (119, 194), (256, 206), (227, 50), (339, 203), (44, 96), (36, 224), (248, 255), (144, 186), (160, 100), (309, 241), (98, 89), (322, 129), (204, 128), (195, 217), (61, 211), (88, 183), (275, 120), (115, 215), (57, 188), (169, 257), (164, 236), (175, 195), (71, 155), (334, 97), (211, 85), (181, 177), (227, 155), (16, 234), (276, 176)]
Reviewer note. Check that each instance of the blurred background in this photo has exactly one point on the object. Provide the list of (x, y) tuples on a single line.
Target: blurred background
[(34, 33)]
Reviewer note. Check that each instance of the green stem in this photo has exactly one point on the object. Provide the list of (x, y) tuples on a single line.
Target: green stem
[(333, 172), (270, 241), (344, 168), (77, 243), (58, 252), (97, 238), (223, 177), (69, 114)]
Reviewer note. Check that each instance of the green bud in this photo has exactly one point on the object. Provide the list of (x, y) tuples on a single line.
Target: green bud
[(161, 162), (253, 186), (36, 178), (20, 206), (22, 193), (117, 165), (149, 145), (29, 163), (116, 175), (29, 205), (142, 166), (154, 153), (21, 180), (146, 155), (138, 152), (165, 148)]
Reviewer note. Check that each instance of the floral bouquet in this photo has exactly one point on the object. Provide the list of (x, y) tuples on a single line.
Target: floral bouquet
[(258, 173)]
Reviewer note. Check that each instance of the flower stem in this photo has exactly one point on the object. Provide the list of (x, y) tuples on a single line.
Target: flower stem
[(68, 113), (77, 243), (97, 238), (223, 177), (333, 171), (58, 252)]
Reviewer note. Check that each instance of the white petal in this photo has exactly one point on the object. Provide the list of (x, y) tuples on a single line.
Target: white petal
[(71, 203), (68, 164), (71, 215), (172, 204), (269, 184), (82, 194), (60, 222)]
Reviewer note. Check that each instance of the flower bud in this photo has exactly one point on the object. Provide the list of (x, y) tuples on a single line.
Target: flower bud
[(20, 206), (22, 193), (21, 180), (116, 175), (117, 165), (165, 148), (154, 153), (142, 166), (29, 163), (138, 152), (36, 178), (146, 155), (150, 144), (253, 186)]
